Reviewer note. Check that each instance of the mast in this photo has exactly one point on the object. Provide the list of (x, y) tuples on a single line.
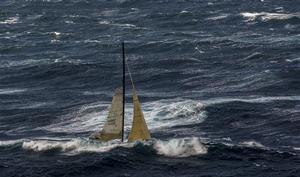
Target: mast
[(123, 115)]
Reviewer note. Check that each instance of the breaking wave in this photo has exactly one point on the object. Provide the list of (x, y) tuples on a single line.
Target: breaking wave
[(10, 142), (73, 146), (164, 113), (9, 91), (265, 16), (254, 99), (182, 147), (253, 144), (175, 147), (10, 20)]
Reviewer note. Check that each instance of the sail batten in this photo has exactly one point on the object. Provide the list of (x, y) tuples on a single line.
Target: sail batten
[(112, 128), (139, 130)]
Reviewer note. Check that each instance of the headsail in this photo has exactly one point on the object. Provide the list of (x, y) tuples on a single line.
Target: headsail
[(113, 126), (139, 130)]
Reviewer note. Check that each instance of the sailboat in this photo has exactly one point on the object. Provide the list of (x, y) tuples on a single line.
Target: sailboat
[(114, 125)]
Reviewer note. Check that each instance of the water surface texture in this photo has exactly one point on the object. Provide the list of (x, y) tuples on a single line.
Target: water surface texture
[(219, 83)]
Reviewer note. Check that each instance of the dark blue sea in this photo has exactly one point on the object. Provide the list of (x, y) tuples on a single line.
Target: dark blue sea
[(218, 80)]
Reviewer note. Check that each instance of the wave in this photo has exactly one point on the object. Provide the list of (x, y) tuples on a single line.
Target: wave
[(182, 147), (251, 100), (175, 147), (73, 146), (265, 16), (27, 62), (158, 114), (253, 144), (122, 25), (9, 91), (11, 142), (296, 148), (219, 17), (11, 20)]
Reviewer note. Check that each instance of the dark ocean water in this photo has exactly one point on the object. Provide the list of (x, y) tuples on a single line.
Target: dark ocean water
[(219, 83)]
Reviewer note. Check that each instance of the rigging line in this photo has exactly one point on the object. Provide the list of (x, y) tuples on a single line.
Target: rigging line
[(130, 74)]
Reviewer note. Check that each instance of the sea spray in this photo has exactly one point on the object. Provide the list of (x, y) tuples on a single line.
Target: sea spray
[(183, 147)]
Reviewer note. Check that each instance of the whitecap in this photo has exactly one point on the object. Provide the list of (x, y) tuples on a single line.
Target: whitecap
[(252, 144), (8, 91), (183, 147), (265, 16), (73, 146), (158, 114), (69, 22), (104, 22), (10, 20), (292, 60), (251, 100), (219, 17), (296, 148), (55, 41), (10, 142), (55, 33), (184, 12)]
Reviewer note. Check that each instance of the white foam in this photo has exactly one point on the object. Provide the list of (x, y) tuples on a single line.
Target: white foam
[(9, 91), (251, 100), (292, 60), (10, 142), (219, 17), (163, 113), (13, 63), (122, 25), (104, 22), (180, 147), (73, 146), (184, 12), (174, 112), (10, 20), (69, 22), (55, 33), (265, 16), (296, 148), (252, 144), (85, 118)]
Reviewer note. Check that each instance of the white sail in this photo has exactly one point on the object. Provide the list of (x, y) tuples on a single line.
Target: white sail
[(112, 128)]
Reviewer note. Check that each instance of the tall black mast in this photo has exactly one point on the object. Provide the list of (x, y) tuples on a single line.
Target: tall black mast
[(123, 116)]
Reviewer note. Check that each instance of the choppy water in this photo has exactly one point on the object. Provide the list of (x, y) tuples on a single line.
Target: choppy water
[(218, 81)]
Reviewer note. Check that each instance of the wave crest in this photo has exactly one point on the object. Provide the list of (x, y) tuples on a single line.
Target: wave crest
[(182, 147), (265, 16), (158, 114), (73, 146)]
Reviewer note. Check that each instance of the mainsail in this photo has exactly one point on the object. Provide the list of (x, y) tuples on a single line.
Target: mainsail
[(139, 130), (113, 126)]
